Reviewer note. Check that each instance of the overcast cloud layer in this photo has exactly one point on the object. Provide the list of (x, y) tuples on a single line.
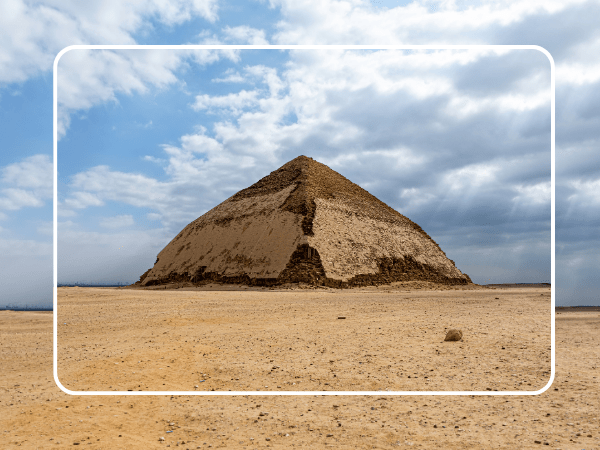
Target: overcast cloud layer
[(469, 162)]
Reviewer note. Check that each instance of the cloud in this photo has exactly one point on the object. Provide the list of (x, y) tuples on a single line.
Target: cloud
[(32, 33), (90, 77), (230, 76), (26, 263), (81, 200), (586, 190), (234, 102), (534, 194), (469, 178), (244, 35), (350, 21), (582, 203), (14, 199), (121, 221), (29, 182), (192, 168), (153, 159), (310, 100), (32, 172)]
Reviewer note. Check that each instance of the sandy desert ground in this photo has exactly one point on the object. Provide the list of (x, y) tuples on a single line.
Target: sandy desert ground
[(34, 413), (392, 338)]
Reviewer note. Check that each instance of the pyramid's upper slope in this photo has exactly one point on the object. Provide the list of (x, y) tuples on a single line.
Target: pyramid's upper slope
[(314, 180)]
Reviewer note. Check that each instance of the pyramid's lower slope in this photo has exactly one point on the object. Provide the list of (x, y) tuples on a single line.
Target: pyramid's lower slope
[(303, 223)]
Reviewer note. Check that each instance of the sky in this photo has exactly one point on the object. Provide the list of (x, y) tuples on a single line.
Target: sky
[(458, 141)]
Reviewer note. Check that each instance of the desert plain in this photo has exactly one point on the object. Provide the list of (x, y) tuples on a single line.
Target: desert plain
[(231, 338)]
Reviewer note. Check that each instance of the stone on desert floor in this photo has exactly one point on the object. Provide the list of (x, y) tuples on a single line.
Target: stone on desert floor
[(453, 335)]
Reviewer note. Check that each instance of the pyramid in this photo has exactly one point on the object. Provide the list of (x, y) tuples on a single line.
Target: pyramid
[(303, 223)]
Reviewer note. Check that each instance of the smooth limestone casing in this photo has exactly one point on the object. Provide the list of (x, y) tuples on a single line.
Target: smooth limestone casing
[(350, 243), (229, 239)]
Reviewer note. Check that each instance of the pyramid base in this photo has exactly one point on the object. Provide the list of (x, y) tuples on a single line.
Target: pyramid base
[(209, 277), (305, 267)]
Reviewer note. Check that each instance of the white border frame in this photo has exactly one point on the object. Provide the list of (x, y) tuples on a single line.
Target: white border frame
[(304, 47)]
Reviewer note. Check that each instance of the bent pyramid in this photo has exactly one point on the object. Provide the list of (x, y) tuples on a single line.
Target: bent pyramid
[(303, 223)]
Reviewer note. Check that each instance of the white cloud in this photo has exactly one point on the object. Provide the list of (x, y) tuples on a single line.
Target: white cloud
[(235, 102), (471, 177), (311, 96), (30, 183), (230, 76), (131, 188), (120, 221), (98, 185), (464, 106), (81, 200), (32, 172), (578, 73), (417, 197), (535, 194), (585, 197), (153, 159), (14, 199), (352, 21), (194, 169), (90, 77), (65, 212), (575, 67), (32, 33), (245, 35)]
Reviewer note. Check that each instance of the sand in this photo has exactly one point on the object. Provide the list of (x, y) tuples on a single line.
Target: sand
[(391, 338), (34, 413)]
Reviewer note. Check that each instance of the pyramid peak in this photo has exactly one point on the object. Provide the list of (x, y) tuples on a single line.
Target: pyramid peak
[(301, 162), (302, 158)]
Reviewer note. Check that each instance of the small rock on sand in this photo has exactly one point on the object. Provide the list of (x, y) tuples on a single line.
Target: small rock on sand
[(453, 335)]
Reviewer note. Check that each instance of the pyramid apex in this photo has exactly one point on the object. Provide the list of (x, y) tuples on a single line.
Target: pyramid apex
[(300, 159)]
